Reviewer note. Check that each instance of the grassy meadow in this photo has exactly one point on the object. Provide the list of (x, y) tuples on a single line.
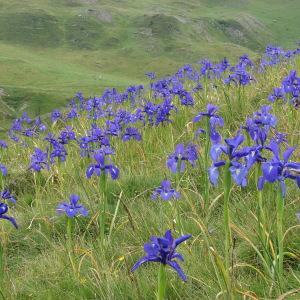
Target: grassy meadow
[(47, 258), (234, 186)]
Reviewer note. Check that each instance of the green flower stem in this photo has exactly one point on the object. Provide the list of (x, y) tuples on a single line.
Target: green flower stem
[(38, 187), (1, 181), (261, 217), (280, 215), (162, 282), (70, 225), (239, 95), (206, 163), (2, 263), (226, 215), (103, 205), (227, 99), (176, 202)]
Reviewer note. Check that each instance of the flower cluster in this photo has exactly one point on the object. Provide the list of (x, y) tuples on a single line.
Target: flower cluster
[(289, 90)]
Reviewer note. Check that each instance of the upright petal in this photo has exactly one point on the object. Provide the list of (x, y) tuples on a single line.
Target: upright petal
[(182, 239)]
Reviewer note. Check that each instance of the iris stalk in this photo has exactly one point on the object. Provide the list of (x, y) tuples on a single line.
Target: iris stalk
[(206, 161), (1, 264), (69, 233), (280, 215), (162, 282), (261, 217), (226, 215), (177, 203), (103, 205)]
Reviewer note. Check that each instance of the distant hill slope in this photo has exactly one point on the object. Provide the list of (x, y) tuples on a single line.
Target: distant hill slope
[(49, 49)]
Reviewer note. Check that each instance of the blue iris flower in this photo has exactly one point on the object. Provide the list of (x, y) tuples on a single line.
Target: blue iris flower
[(4, 216), (6, 195), (278, 169), (39, 160), (176, 160), (67, 135), (163, 250), (214, 121), (131, 133), (3, 144), (239, 170), (73, 208), (101, 166), (56, 115), (3, 170), (165, 191)]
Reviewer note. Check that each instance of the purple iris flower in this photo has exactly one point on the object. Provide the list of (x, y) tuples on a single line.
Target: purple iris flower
[(239, 77), (186, 98), (56, 115), (67, 135), (245, 61), (4, 216), (131, 133), (16, 125), (58, 152), (101, 167), (264, 118), (40, 125), (258, 127), (163, 250), (278, 169), (72, 209), (3, 170), (3, 144), (72, 114), (165, 191), (6, 195), (206, 68), (25, 118), (30, 132), (238, 170), (278, 93), (214, 121), (151, 75), (176, 161), (39, 160)]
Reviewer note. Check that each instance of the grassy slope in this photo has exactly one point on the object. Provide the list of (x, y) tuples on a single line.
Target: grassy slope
[(39, 267), (51, 49)]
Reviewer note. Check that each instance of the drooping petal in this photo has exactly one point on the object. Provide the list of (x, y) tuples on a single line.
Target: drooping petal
[(10, 219), (283, 188), (215, 151), (260, 183), (213, 173), (270, 171), (177, 255), (143, 260), (89, 172), (178, 269), (83, 211), (114, 172)]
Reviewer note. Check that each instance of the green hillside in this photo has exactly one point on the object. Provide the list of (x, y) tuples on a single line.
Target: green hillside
[(51, 49)]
